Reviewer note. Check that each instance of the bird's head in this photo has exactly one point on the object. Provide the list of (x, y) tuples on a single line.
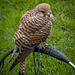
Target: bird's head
[(43, 10)]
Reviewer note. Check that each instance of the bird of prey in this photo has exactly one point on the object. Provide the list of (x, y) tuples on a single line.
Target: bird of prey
[(34, 29)]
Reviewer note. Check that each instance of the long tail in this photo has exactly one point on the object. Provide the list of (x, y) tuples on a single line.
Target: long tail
[(22, 67), (21, 56)]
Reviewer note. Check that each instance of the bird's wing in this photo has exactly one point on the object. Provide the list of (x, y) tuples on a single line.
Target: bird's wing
[(33, 31), (21, 56)]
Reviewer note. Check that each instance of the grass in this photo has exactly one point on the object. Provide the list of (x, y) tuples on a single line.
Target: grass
[(62, 36)]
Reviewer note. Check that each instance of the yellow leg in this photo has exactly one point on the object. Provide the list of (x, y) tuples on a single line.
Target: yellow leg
[(44, 46)]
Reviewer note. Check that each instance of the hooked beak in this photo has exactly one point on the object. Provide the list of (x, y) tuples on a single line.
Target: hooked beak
[(48, 14)]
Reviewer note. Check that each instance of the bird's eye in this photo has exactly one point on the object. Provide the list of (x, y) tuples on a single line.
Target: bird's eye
[(43, 11)]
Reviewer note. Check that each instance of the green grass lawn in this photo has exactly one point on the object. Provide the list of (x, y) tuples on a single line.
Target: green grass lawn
[(62, 36)]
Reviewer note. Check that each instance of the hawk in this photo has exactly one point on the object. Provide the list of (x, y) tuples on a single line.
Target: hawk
[(34, 29)]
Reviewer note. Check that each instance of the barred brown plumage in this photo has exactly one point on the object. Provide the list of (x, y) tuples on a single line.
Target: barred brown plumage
[(35, 27)]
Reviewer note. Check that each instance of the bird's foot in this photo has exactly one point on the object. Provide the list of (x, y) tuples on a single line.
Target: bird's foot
[(44, 46)]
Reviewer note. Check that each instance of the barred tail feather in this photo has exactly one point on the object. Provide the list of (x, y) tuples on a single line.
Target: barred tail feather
[(21, 56), (22, 67)]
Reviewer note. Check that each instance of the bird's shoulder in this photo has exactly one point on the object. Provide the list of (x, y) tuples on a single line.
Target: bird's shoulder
[(28, 14)]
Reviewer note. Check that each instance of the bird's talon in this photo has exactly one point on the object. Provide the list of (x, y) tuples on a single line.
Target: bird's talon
[(46, 44), (43, 47)]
